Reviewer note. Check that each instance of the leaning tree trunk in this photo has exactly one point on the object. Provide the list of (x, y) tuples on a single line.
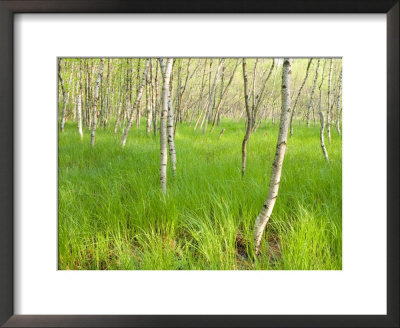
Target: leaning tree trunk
[(223, 93), (312, 94), (249, 124), (328, 114), (62, 122), (136, 105), (276, 169), (298, 96), (170, 131), (212, 93), (166, 67), (96, 98)]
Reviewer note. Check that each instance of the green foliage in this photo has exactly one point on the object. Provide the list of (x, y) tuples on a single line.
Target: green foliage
[(112, 214)]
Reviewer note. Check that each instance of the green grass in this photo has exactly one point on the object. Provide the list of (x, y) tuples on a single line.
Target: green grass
[(112, 214)]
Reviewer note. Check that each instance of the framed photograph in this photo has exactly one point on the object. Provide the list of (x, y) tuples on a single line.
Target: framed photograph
[(205, 164)]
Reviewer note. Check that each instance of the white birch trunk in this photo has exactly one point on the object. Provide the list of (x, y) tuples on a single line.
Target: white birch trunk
[(298, 96), (170, 131), (62, 121), (96, 97), (321, 135), (249, 123), (149, 104), (79, 115), (312, 94), (212, 93), (328, 114), (166, 67), (118, 118), (136, 104), (338, 104), (276, 169)]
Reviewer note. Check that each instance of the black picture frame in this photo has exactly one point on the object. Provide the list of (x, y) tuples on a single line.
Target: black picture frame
[(10, 7)]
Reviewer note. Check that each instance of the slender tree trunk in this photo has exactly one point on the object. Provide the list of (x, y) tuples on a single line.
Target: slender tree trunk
[(96, 98), (118, 118), (212, 93), (166, 67), (322, 118), (259, 96), (312, 94), (79, 114), (223, 93), (321, 135), (107, 88), (170, 131), (298, 96), (249, 118), (137, 103), (270, 97), (338, 104), (149, 104), (62, 121), (156, 103), (276, 169), (221, 133), (201, 94), (328, 114)]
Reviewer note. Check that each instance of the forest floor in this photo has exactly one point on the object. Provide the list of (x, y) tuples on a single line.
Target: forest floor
[(112, 214)]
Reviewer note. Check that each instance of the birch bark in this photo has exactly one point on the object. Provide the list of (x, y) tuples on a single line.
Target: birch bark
[(249, 122), (170, 131), (96, 98), (276, 169), (328, 114), (118, 118), (298, 96), (322, 118), (212, 92), (223, 93), (166, 67), (312, 94), (62, 121), (79, 114), (136, 104), (149, 104), (338, 103)]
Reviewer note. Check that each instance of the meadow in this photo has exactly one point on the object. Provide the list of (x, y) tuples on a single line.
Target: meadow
[(113, 215)]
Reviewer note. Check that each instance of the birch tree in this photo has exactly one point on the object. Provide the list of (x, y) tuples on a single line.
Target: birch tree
[(79, 115), (170, 130), (166, 67), (149, 104), (298, 96), (96, 98), (249, 123), (276, 169), (212, 92), (136, 104), (223, 93), (251, 110), (312, 94), (62, 121), (328, 114), (338, 103), (322, 118)]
